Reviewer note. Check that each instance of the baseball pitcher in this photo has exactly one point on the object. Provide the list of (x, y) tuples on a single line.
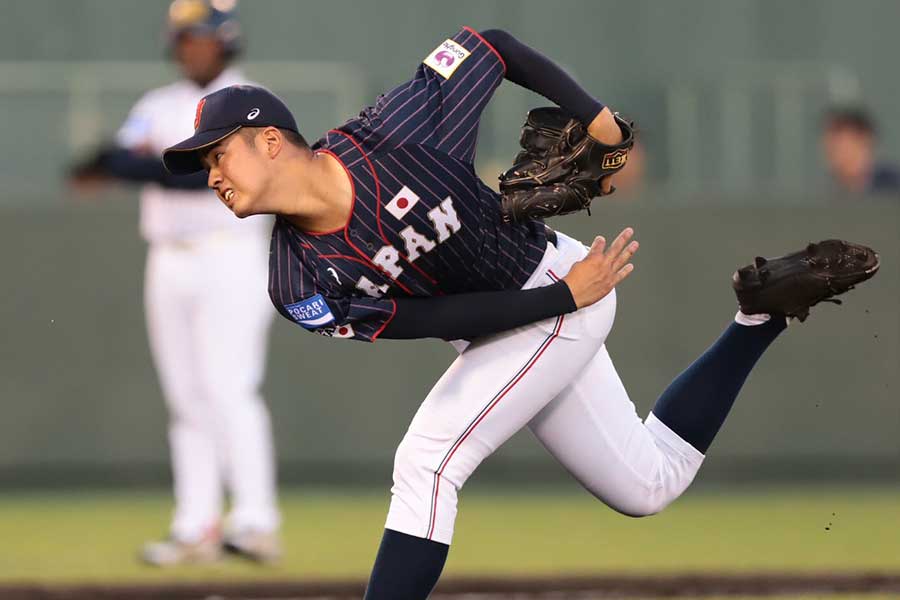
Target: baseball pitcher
[(384, 230)]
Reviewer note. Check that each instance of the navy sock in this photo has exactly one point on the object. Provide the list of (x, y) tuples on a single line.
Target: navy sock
[(406, 568), (695, 405)]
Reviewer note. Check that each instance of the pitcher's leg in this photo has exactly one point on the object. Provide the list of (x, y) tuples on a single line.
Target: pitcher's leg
[(696, 403), (593, 430), (639, 468), (492, 390), (486, 395)]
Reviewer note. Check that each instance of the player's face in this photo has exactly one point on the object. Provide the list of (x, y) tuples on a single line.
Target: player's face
[(848, 151), (238, 172), (201, 57)]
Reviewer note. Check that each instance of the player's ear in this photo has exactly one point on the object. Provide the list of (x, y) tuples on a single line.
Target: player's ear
[(273, 141)]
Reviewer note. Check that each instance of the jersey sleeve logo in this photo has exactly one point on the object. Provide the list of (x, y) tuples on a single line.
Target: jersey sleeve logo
[(402, 203), (446, 58), (311, 313)]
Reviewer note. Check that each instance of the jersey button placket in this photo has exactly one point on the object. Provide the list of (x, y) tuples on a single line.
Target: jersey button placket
[(371, 247), (355, 233)]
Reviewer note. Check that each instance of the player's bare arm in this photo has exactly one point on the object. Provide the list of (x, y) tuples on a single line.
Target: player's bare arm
[(605, 129)]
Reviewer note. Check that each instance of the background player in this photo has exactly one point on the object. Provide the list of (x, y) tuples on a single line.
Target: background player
[(849, 143), (385, 230), (207, 317)]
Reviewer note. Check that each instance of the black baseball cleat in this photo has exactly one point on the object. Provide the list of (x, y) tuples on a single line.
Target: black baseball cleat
[(789, 285)]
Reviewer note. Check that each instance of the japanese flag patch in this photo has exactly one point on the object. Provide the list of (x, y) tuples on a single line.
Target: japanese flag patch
[(311, 313), (401, 203), (339, 331), (446, 58)]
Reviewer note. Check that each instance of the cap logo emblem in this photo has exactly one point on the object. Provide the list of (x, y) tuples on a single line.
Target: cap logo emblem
[(199, 113), (252, 114)]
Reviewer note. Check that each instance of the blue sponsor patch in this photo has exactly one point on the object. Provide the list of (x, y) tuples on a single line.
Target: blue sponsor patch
[(311, 313)]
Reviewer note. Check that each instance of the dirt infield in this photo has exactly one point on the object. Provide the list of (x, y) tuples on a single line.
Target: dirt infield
[(582, 588)]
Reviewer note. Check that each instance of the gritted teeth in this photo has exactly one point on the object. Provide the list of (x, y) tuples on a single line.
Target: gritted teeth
[(229, 194)]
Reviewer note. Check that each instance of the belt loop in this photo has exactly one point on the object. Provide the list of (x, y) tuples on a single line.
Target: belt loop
[(551, 236)]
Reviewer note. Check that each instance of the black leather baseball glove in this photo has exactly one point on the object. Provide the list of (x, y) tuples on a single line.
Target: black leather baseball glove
[(560, 166)]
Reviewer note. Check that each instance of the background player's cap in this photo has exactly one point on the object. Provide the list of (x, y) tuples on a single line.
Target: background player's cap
[(216, 18), (222, 113)]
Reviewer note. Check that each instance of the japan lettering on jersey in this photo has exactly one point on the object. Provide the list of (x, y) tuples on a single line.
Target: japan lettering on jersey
[(422, 222)]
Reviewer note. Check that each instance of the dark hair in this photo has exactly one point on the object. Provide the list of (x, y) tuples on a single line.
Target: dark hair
[(854, 117), (294, 138)]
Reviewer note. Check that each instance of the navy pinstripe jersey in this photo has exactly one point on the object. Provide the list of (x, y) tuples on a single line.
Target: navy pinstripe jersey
[(422, 222)]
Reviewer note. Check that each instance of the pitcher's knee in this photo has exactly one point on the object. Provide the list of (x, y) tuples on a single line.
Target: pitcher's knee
[(645, 493), (412, 474), (644, 506), (646, 487), (423, 502)]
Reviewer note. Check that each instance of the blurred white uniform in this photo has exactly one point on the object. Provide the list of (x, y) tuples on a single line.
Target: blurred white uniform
[(208, 318)]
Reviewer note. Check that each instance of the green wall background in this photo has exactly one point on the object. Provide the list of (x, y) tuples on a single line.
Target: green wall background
[(80, 399), (78, 395)]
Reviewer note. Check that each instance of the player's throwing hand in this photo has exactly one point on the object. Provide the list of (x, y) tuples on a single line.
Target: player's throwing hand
[(593, 277)]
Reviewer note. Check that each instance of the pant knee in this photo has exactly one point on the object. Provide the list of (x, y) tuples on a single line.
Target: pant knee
[(423, 499), (411, 473), (649, 490), (646, 505), (670, 469)]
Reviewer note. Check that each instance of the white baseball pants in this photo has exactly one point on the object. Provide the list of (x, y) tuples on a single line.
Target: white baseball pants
[(208, 319), (556, 377)]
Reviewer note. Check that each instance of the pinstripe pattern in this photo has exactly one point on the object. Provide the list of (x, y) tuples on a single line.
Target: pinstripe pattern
[(421, 135)]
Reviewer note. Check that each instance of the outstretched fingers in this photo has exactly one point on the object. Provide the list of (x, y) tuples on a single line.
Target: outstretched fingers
[(622, 259), (620, 242), (622, 273), (598, 246), (620, 252), (593, 277), (622, 249)]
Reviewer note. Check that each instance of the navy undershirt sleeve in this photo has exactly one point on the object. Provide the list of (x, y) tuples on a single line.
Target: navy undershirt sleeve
[(130, 166), (532, 70), (466, 316)]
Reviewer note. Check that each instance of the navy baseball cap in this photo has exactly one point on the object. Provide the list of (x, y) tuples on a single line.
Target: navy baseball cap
[(222, 113)]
